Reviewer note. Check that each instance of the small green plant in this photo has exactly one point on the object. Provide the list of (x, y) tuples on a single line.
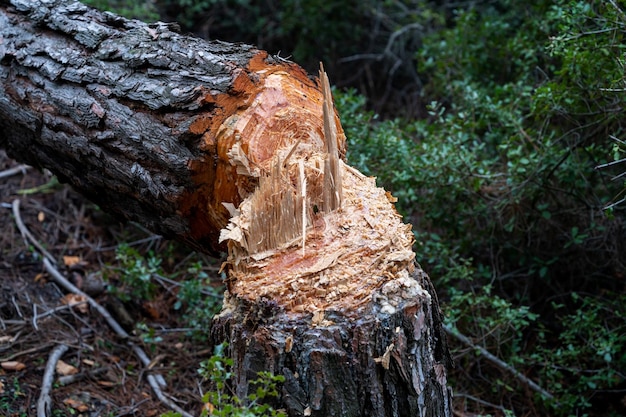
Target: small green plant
[(220, 402), (217, 370), (198, 300), (135, 274), (148, 335), (12, 399)]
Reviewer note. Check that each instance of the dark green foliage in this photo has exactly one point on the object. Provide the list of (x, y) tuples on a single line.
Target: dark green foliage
[(219, 401), (500, 183), (199, 300), (137, 9), (217, 371), (135, 274), (136, 279)]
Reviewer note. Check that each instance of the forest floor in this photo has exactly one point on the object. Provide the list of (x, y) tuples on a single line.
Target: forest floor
[(100, 373)]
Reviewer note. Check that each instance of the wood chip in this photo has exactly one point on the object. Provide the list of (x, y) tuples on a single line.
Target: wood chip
[(78, 302), (64, 368), (12, 365), (71, 260), (77, 405)]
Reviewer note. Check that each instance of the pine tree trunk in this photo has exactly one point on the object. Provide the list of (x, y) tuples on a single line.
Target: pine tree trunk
[(140, 118), (212, 142)]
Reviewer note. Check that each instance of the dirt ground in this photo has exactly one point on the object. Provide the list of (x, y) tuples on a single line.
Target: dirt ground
[(34, 320)]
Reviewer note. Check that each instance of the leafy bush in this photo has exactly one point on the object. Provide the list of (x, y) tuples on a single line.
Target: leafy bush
[(217, 371), (499, 181), (585, 363), (135, 274), (518, 102), (199, 299), (138, 278)]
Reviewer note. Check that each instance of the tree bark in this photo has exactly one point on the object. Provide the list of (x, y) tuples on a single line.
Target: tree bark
[(199, 140), (140, 118)]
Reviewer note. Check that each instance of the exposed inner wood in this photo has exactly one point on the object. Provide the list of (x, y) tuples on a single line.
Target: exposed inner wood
[(317, 234), (283, 109)]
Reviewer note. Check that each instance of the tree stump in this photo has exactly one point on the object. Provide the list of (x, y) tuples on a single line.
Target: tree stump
[(199, 140)]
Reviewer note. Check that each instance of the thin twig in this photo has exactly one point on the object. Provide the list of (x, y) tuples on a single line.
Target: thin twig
[(43, 404), (608, 164), (62, 281), (146, 361), (501, 364), (26, 233), (148, 239), (203, 291), (618, 140), (479, 401), (70, 379), (617, 8), (152, 380), (610, 206), (20, 169), (53, 311)]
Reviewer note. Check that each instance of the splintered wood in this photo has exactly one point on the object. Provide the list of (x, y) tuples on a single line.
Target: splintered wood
[(318, 235)]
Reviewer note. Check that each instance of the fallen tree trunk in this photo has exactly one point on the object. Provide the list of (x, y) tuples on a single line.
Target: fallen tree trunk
[(196, 140), (140, 118)]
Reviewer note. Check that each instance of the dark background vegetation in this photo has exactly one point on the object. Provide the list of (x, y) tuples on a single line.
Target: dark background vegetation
[(488, 120)]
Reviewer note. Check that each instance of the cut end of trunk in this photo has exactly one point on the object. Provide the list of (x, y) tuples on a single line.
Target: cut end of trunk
[(318, 235)]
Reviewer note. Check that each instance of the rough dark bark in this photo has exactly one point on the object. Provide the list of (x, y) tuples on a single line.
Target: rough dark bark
[(162, 129)]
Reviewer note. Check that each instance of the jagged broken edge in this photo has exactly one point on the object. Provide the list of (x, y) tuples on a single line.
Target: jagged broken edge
[(280, 211), (333, 189)]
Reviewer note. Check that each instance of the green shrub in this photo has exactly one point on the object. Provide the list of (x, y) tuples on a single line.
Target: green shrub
[(135, 274), (199, 300), (217, 371), (500, 184), (582, 358), (137, 278)]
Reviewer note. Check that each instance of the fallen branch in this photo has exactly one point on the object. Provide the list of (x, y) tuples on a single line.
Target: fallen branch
[(155, 381), (499, 363), (26, 234), (43, 404), (61, 280), (52, 311), (212, 141), (20, 169)]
